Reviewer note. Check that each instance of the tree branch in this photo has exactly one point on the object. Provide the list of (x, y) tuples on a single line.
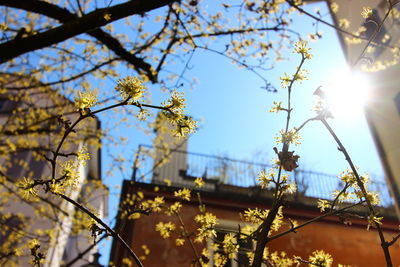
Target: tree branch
[(74, 25)]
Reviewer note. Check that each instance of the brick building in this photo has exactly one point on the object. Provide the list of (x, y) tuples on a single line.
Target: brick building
[(231, 188)]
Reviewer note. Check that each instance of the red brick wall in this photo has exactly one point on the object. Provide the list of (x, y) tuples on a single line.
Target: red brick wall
[(352, 245)]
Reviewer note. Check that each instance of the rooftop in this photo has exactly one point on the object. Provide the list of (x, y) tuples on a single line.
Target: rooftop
[(223, 172)]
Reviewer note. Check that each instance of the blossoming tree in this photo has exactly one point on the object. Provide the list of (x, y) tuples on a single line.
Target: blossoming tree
[(63, 50)]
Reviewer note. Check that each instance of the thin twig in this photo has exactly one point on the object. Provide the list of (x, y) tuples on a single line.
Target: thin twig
[(332, 212), (103, 224), (360, 184)]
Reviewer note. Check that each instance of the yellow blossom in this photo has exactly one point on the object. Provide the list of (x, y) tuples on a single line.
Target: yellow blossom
[(3, 27), (206, 254), (33, 243), (291, 137), (219, 260), (131, 88), (285, 80), (85, 100), (300, 47), (334, 7), (83, 155), (153, 205), (348, 177), (323, 204), (373, 198), (265, 178), (373, 221), (199, 182), (26, 185), (145, 249), (290, 188), (183, 194), (56, 188), (207, 223), (179, 242), (276, 107), (165, 229), (174, 208), (168, 182), (344, 23), (185, 126), (366, 12), (230, 245), (176, 102), (107, 16), (320, 258)]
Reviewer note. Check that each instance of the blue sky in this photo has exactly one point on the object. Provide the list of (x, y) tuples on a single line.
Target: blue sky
[(235, 120)]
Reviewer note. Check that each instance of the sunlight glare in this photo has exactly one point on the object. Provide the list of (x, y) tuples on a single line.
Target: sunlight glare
[(347, 94)]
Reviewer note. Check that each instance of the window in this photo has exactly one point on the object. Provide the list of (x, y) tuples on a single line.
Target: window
[(240, 259)]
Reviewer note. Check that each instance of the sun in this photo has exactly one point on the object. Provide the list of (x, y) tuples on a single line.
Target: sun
[(347, 93)]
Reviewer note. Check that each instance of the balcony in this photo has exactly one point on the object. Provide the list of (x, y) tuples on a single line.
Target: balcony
[(217, 172)]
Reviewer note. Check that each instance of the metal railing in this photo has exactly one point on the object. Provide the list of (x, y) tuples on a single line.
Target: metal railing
[(184, 167)]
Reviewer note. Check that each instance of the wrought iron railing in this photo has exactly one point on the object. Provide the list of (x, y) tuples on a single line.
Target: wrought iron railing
[(185, 166)]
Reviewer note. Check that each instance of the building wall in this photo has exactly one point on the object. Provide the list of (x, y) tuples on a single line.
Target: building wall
[(352, 245), (49, 213)]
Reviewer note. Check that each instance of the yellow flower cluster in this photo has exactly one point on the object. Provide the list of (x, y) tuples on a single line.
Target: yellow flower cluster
[(176, 103), (153, 205), (320, 258), (56, 188), (175, 114), (366, 12), (334, 7), (265, 178), (348, 177), (146, 252), (85, 100), (83, 155), (255, 216), (323, 204), (354, 192), (219, 260), (373, 221), (183, 194), (289, 188), (276, 107), (290, 137), (199, 182), (285, 80), (279, 259), (207, 223), (70, 173), (344, 23), (167, 182), (230, 245), (301, 47), (131, 88), (27, 188), (165, 229), (33, 243), (174, 208), (179, 242)]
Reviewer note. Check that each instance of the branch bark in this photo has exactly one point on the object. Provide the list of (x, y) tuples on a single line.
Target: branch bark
[(74, 25)]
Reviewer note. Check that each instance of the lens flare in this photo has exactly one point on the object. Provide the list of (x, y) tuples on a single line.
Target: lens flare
[(347, 94)]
